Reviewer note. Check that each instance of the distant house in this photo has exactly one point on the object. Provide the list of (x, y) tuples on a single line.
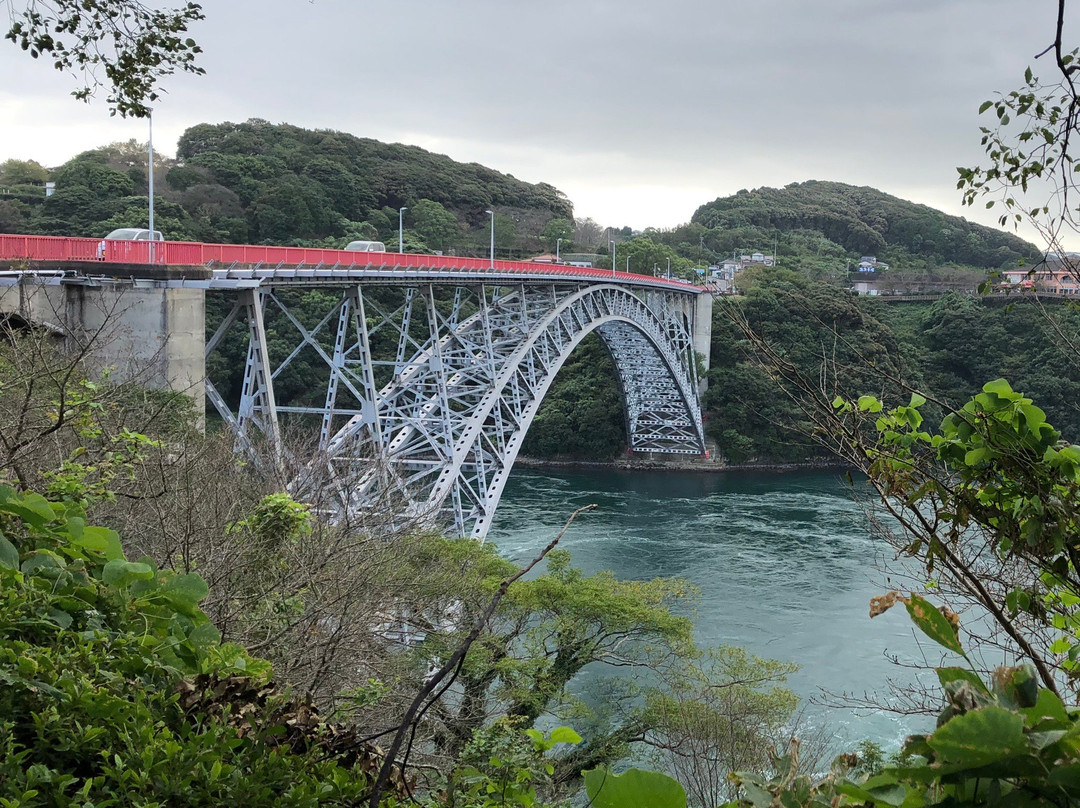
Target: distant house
[(756, 258), (869, 263), (1052, 277), (546, 258)]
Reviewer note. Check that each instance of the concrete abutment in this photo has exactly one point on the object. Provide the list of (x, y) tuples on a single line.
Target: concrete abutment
[(141, 330)]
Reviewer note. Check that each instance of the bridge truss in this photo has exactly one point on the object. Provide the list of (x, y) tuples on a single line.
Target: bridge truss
[(426, 389)]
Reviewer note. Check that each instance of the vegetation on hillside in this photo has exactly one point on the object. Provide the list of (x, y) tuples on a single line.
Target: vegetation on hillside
[(944, 348), (862, 221)]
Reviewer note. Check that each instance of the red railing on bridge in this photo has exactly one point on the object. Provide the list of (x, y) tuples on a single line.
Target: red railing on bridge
[(181, 253)]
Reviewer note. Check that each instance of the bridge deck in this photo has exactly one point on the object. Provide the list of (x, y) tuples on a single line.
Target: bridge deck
[(233, 266)]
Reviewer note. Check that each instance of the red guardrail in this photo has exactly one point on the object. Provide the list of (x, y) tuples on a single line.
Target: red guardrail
[(180, 253)]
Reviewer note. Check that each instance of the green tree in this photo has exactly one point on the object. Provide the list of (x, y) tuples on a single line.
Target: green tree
[(999, 741), (87, 171), (435, 225), (722, 713), (22, 172), (558, 229)]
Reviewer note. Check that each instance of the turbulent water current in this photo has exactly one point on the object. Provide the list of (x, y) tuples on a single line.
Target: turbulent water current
[(785, 564)]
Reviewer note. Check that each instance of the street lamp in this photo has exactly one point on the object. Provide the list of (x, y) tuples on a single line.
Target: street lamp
[(401, 229), (491, 213), (558, 242), (150, 118), (611, 244)]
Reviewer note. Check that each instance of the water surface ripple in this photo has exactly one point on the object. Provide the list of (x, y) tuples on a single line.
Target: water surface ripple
[(785, 564)]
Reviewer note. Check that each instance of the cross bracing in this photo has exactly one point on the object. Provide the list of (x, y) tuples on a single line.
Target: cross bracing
[(429, 386)]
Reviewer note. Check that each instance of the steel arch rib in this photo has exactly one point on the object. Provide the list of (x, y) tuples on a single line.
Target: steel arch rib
[(482, 521)]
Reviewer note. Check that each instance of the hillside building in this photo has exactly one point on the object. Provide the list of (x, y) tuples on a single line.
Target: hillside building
[(1050, 277)]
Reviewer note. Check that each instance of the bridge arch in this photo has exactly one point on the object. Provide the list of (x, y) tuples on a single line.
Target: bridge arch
[(451, 448)]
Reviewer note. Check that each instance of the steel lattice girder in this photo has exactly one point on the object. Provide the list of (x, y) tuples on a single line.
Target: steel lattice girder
[(442, 387)]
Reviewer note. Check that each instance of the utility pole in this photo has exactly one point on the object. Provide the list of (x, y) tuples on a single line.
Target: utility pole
[(150, 118)]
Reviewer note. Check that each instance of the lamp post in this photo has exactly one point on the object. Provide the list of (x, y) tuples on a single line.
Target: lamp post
[(628, 265), (401, 229), (150, 119), (611, 244), (558, 243), (669, 267), (491, 213)]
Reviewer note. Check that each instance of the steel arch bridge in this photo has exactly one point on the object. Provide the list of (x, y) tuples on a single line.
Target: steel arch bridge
[(431, 382), (428, 370)]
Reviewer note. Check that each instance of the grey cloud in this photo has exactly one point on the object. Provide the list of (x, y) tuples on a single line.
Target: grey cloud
[(683, 94)]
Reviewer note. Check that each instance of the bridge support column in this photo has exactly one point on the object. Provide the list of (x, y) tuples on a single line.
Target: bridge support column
[(150, 334), (702, 323), (147, 332)]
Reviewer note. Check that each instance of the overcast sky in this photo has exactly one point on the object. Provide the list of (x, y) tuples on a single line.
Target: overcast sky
[(638, 111)]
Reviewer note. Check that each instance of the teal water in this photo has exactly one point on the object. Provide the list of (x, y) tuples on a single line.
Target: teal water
[(785, 563)]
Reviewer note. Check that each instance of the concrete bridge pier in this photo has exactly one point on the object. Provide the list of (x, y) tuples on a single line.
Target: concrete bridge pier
[(702, 329), (149, 331)]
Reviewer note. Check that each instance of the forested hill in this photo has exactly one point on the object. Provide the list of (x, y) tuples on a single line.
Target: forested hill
[(865, 221), (281, 184), (356, 174)]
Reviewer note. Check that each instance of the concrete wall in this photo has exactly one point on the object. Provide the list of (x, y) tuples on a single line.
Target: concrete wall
[(703, 327), (141, 330)]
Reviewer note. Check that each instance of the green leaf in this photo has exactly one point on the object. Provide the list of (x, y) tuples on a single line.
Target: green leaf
[(204, 635), (869, 404), (1048, 706), (186, 589), (120, 573), (998, 386), (948, 675), (33, 509), (61, 618), (9, 556), (916, 400), (979, 737), (1040, 740), (1065, 776), (101, 539), (564, 735), (633, 789), (985, 105), (875, 791), (933, 624)]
